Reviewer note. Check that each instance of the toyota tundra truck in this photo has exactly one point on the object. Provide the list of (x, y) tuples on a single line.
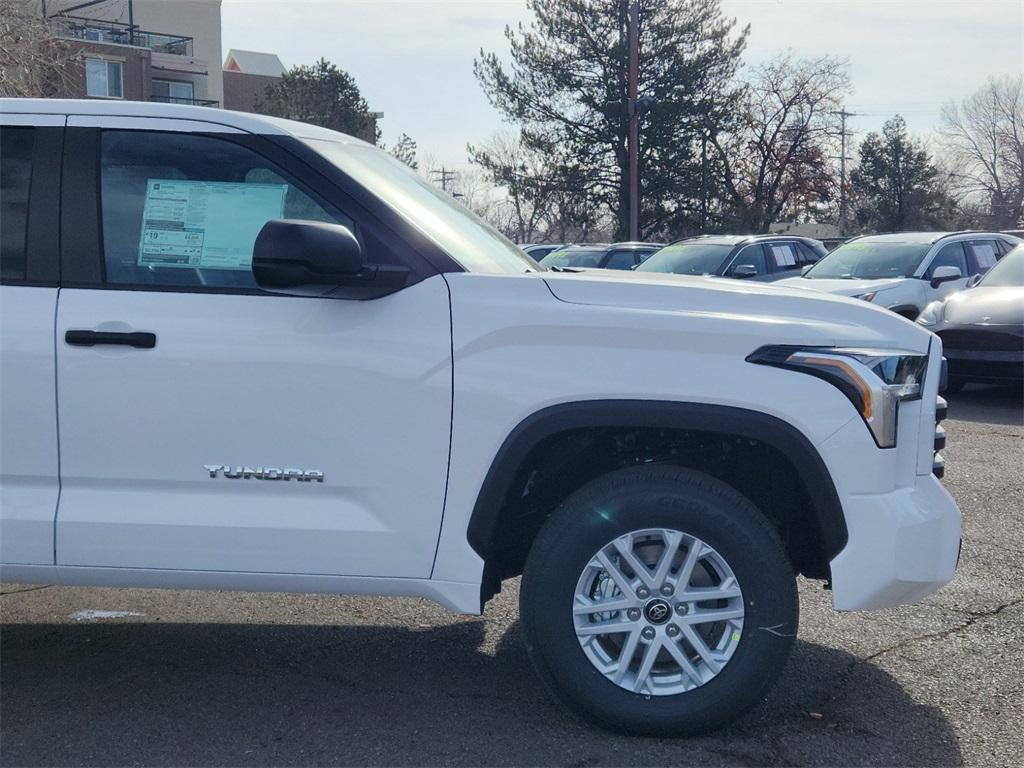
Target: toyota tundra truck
[(243, 353)]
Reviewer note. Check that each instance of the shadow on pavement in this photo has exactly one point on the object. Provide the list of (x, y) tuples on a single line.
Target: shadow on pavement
[(237, 694), (987, 404)]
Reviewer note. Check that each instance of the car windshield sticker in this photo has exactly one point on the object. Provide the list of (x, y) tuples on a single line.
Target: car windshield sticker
[(205, 224)]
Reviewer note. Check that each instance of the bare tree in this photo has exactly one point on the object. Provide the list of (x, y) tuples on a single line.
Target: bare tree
[(527, 176), (984, 139), (778, 153), (33, 62)]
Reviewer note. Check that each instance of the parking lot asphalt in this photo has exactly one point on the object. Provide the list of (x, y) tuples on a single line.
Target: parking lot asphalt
[(190, 678)]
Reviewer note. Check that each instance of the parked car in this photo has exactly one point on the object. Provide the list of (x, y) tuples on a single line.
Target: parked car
[(982, 328), (241, 352), (755, 257), (905, 272), (600, 256), (538, 251)]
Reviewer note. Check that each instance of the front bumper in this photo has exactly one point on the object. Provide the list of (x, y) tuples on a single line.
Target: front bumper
[(903, 546)]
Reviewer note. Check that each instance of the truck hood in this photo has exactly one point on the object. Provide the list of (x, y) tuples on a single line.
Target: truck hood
[(841, 287), (770, 312)]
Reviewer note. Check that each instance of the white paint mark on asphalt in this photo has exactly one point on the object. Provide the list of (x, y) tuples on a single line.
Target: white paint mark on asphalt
[(92, 615)]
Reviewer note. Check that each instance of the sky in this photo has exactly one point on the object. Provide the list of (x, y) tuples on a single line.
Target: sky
[(413, 59)]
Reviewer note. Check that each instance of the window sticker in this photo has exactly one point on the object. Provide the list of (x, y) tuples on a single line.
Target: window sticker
[(984, 254), (784, 255), (205, 224)]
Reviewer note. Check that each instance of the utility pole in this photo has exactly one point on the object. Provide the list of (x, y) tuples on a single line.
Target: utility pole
[(843, 114), (633, 140), (444, 175)]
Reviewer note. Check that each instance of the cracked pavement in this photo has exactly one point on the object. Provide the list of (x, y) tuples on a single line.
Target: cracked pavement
[(244, 679)]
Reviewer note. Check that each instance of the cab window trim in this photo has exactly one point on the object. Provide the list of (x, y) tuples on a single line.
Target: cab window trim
[(81, 224)]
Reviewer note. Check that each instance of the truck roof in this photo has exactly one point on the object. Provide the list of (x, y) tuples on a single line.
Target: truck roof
[(243, 121)]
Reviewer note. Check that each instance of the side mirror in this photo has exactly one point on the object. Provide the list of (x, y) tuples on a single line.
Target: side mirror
[(314, 258), (944, 275), (973, 280), (743, 270), (805, 269)]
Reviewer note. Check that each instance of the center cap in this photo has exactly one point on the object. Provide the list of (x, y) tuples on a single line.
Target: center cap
[(657, 611)]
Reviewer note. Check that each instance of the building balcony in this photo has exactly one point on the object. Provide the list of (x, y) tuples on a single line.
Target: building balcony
[(116, 33), (181, 100)]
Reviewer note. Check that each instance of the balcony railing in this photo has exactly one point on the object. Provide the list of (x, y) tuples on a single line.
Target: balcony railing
[(182, 100), (99, 31)]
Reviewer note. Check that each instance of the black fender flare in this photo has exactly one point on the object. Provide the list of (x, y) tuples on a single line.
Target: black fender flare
[(638, 414)]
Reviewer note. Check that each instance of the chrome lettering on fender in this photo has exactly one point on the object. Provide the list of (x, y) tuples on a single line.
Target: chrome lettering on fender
[(264, 473)]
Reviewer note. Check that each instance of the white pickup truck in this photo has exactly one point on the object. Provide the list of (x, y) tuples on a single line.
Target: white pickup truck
[(246, 353)]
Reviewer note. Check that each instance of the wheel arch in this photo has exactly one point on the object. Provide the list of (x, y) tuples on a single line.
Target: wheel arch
[(506, 470)]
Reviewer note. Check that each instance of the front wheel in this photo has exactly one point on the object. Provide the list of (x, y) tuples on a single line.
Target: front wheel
[(658, 600)]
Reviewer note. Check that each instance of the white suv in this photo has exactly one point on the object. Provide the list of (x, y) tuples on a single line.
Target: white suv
[(905, 272), (246, 353)]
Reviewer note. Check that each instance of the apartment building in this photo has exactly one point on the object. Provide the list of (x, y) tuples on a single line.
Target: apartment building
[(143, 50)]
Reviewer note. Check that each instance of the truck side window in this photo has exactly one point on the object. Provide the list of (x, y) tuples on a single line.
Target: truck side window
[(15, 179), (751, 254), (184, 210)]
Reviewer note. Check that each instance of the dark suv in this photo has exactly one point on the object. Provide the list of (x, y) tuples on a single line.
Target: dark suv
[(601, 256), (754, 257)]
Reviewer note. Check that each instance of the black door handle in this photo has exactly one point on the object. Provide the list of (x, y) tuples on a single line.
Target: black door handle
[(139, 340)]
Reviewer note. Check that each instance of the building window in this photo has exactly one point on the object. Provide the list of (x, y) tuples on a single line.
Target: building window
[(173, 92), (104, 79)]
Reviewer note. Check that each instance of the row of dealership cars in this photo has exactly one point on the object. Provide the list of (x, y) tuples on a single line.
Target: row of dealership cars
[(967, 286)]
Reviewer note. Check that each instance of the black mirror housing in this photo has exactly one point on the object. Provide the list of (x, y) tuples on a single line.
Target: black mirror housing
[(314, 258)]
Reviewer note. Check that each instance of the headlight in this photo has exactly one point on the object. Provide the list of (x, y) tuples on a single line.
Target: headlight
[(866, 296), (932, 314), (874, 380)]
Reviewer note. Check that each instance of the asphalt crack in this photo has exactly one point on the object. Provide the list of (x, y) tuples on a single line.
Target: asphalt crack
[(26, 589)]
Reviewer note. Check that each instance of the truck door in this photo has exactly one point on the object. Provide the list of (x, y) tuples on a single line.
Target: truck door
[(208, 426), (29, 197)]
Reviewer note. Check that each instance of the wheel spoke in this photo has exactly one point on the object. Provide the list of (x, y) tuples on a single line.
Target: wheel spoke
[(701, 648), (672, 541), (626, 656), (689, 563), (683, 661), (650, 654), (711, 615), (624, 544), (615, 573), (606, 627), (726, 590), (586, 607)]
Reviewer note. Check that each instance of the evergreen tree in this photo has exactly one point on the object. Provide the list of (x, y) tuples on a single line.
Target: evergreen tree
[(573, 59), (324, 95), (895, 184)]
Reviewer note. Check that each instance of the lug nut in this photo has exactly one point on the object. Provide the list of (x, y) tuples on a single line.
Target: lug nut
[(667, 590), (682, 609), (633, 613), (672, 630), (647, 633), (643, 592)]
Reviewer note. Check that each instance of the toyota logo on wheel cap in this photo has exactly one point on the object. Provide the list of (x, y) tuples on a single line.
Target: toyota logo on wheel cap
[(657, 611)]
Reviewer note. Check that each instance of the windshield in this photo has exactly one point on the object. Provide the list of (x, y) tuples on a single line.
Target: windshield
[(1008, 271), (870, 260), (687, 258), (574, 257), (469, 240)]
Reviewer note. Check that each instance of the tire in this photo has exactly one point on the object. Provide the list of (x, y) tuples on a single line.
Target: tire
[(658, 501)]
